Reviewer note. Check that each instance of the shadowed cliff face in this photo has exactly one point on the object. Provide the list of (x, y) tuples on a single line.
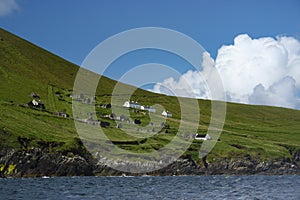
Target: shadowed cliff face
[(36, 163)]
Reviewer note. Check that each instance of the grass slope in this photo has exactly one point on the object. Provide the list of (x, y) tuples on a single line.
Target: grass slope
[(260, 131)]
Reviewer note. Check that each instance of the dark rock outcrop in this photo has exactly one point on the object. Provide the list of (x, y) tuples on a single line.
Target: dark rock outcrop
[(239, 166), (37, 162)]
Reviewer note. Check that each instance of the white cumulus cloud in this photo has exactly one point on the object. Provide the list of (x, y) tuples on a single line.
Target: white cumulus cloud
[(263, 71), (7, 7), (190, 84), (282, 93)]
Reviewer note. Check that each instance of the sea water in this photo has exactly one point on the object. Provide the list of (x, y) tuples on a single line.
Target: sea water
[(149, 187)]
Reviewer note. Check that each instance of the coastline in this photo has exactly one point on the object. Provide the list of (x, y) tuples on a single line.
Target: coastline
[(41, 163)]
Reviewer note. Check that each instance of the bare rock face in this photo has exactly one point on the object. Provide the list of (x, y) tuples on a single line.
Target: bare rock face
[(37, 162), (248, 166), (34, 162)]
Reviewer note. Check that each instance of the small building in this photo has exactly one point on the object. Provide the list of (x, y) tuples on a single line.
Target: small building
[(148, 108), (166, 114), (62, 114), (135, 105), (93, 122), (132, 104), (137, 121), (126, 104), (164, 125), (87, 100), (107, 106), (112, 116), (105, 116), (123, 118), (202, 137), (104, 124), (36, 104), (77, 96)]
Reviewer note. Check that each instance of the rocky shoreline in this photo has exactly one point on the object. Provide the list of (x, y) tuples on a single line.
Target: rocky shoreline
[(36, 162)]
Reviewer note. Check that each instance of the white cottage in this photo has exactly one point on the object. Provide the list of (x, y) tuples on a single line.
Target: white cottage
[(126, 104), (166, 114), (132, 104), (148, 108), (202, 137)]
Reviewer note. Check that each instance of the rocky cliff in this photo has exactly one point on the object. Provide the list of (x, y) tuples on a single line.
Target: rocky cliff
[(36, 162)]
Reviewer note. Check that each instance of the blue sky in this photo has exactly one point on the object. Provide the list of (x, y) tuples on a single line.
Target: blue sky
[(71, 29)]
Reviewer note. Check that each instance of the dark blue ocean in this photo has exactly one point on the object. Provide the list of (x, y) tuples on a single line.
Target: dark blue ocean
[(167, 187)]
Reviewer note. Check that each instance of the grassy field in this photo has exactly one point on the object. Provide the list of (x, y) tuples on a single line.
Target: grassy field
[(259, 131)]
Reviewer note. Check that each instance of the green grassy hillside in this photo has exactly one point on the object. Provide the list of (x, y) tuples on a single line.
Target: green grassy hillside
[(259, 131)]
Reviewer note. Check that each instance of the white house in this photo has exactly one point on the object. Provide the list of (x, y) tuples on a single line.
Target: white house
[(148, 108), (126, 104), (132, 104), (202, 137), (135, 105), (36, 104), (166, 114)]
